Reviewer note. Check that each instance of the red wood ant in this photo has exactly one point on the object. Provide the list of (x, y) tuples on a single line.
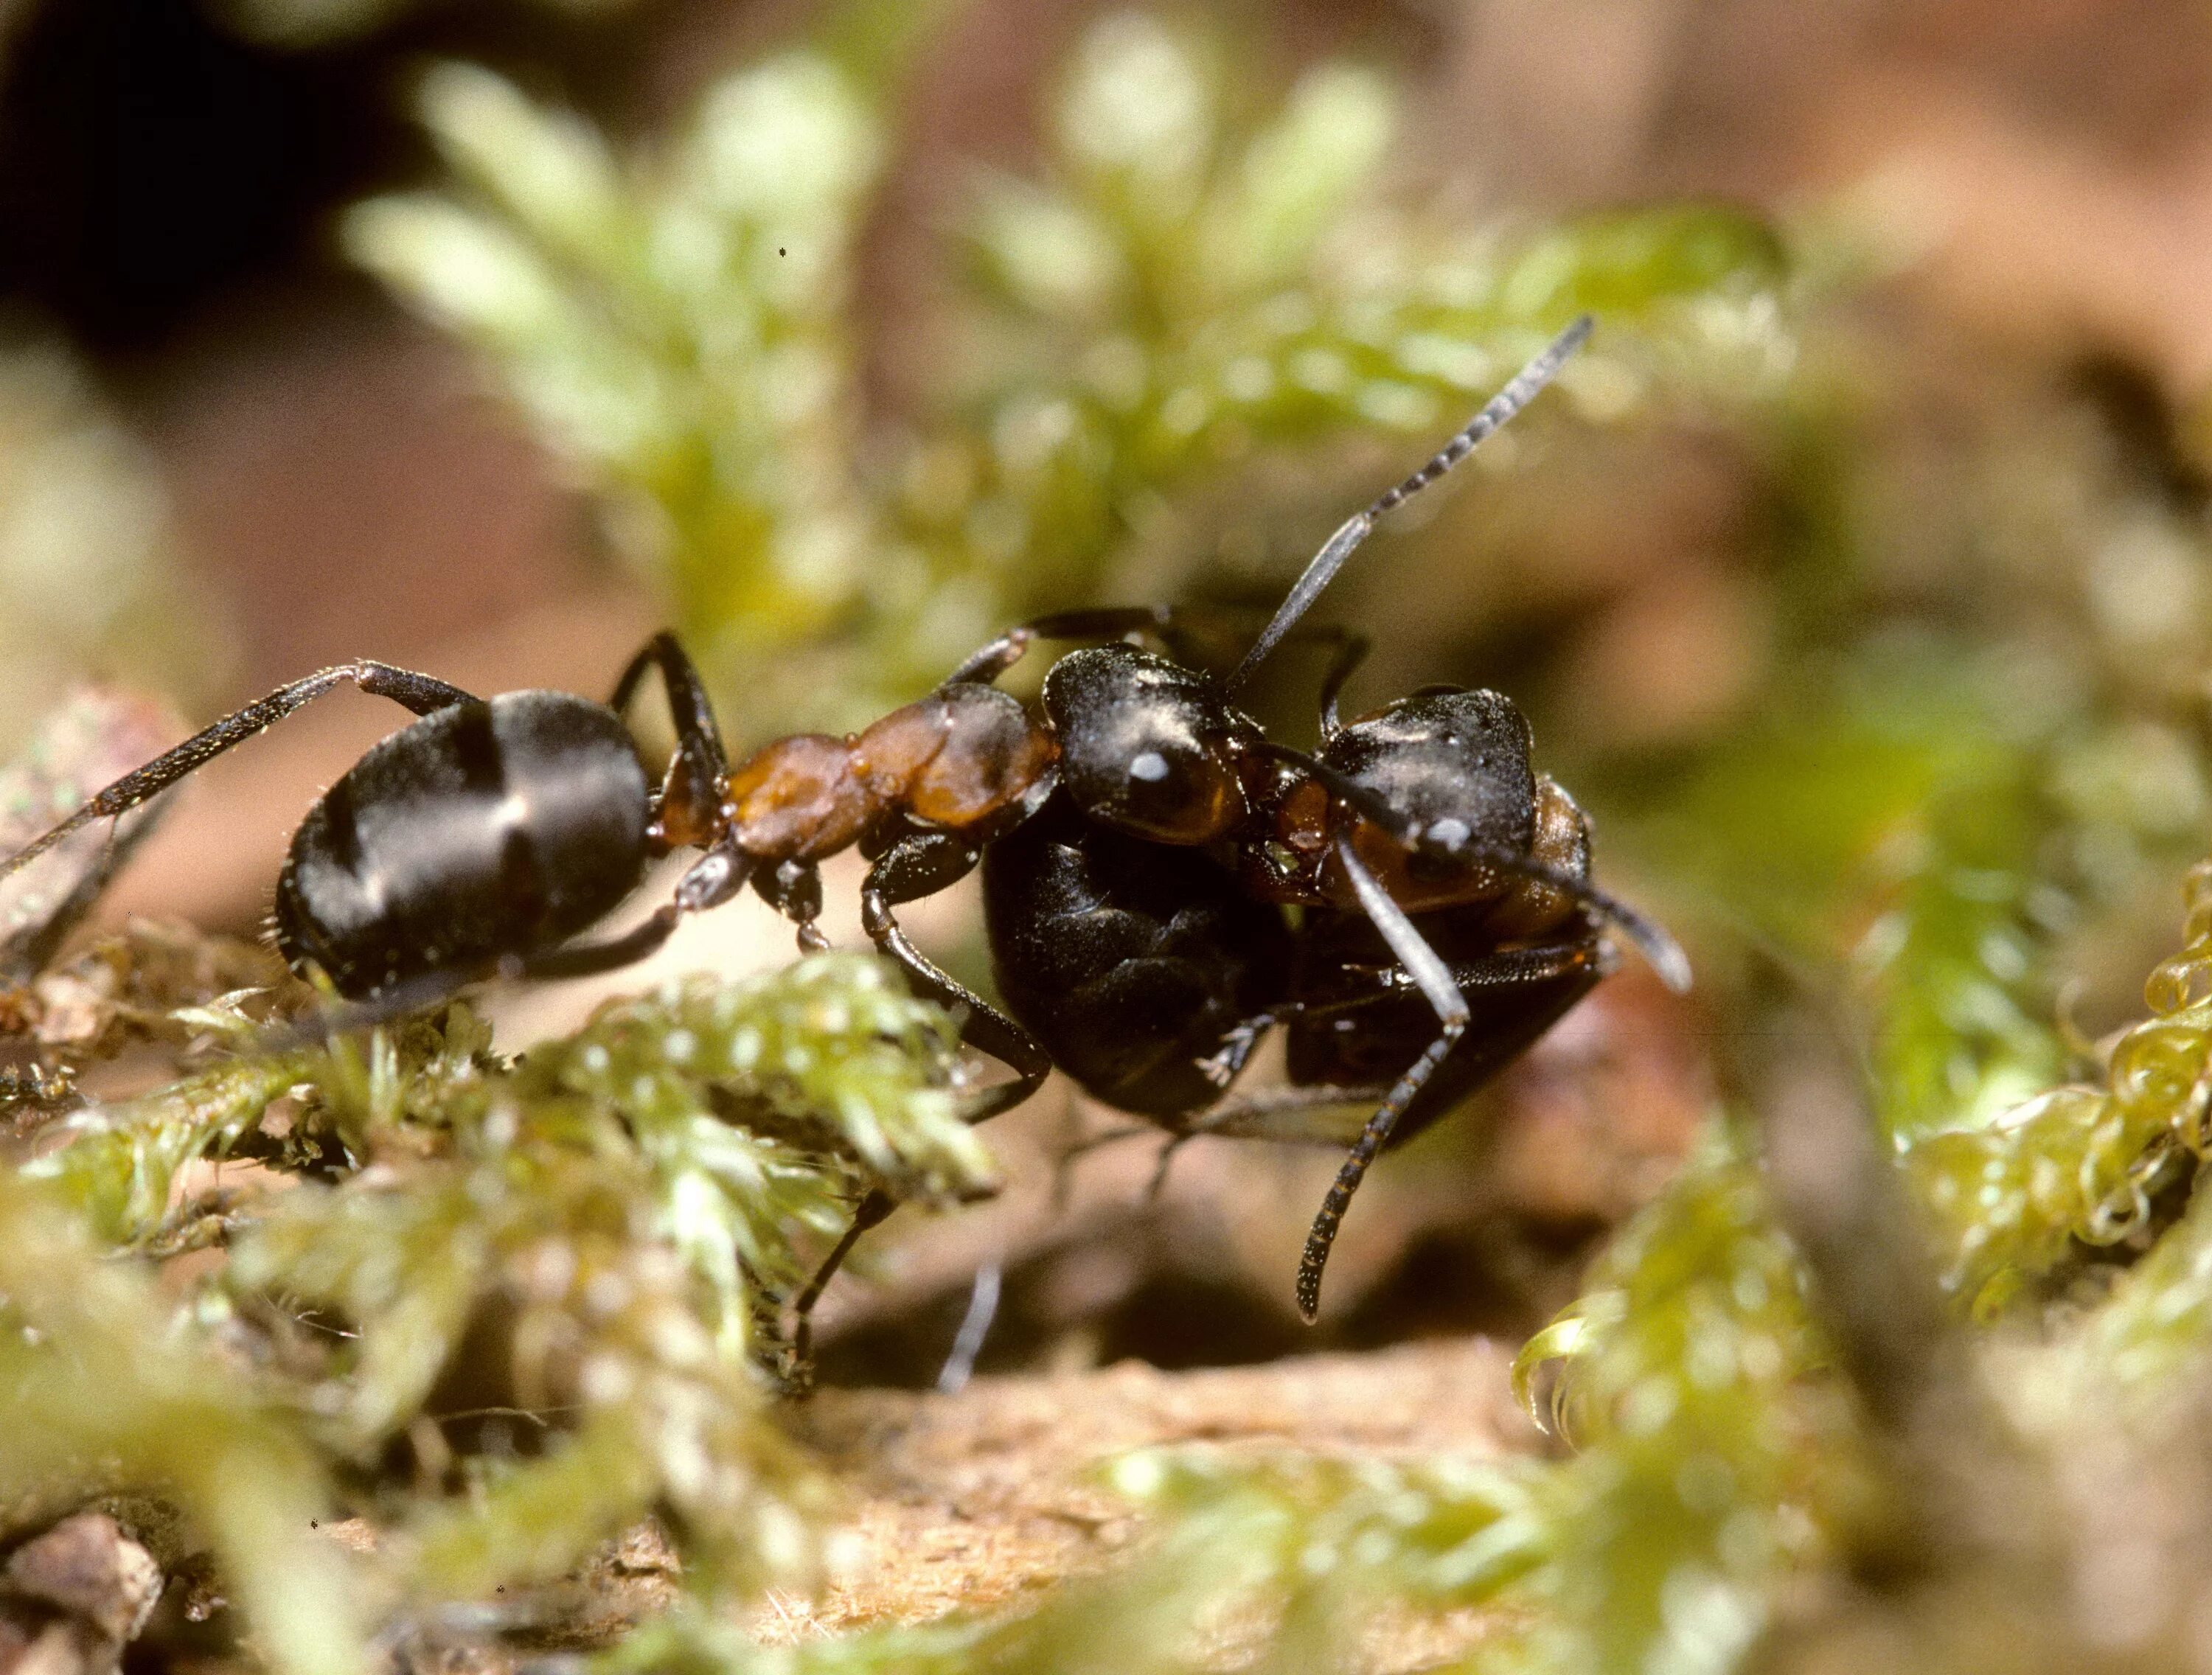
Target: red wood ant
[(1140, 837)]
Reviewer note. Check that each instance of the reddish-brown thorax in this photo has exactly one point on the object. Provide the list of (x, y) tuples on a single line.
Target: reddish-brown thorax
[(952, 760)]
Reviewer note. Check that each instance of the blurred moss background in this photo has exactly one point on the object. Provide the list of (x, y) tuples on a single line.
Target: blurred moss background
[(1856, 579)]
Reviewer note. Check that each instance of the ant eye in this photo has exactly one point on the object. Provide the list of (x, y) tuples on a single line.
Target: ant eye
[(1145, 746), (1183, 798), (1170, 793)]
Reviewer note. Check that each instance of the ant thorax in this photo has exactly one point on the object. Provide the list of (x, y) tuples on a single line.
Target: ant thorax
[(955, 759)]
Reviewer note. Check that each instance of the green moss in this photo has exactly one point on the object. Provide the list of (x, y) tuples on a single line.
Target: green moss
[(2079, 1163), (592, 1240), (102, 1391), (1714, 1456)]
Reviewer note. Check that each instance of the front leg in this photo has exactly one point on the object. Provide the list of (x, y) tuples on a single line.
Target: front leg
[(793, 889)]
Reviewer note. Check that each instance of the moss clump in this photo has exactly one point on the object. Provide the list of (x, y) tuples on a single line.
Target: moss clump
[(2080, 1163), (505, 1309)]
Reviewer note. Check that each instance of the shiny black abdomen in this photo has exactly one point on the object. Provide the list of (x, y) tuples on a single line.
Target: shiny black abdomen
[(482, 830), (1130, 962)]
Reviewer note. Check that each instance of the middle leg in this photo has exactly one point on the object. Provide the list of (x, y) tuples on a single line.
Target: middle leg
[(918, 864), (793, 889)]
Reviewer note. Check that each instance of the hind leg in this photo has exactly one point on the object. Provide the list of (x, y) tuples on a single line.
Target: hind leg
[(917, 865), (419, 693), (689, 810)]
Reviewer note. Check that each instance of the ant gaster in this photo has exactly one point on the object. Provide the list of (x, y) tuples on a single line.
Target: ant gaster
[(1140, 839)]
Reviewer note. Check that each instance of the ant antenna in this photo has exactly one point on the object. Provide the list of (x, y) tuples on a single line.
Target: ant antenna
[(1516, 395), (1660, 951)]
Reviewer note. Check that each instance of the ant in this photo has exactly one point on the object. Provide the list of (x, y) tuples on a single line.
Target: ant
[(1140, 839)]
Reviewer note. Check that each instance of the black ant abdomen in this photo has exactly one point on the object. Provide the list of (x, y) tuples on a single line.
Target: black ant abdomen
[(483, 829), (1141, 967)]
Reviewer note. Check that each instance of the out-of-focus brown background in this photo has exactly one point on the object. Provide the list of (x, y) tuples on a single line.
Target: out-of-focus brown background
[(340, 484)]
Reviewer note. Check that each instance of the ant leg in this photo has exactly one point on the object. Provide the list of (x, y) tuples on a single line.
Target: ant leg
[(1351, 652), (918, 864), (590, 959), (988, 662), (870, 1213), (688, 702), (1156, 1187), (921, 863), (1273, 1114), (716, 876), (711, 880), (1434, 979), (794, 890), (1365, 985), (1063, 1168), (1167, 622), (690, 809), (975, 1328), (1283, 1114), (419, 693)]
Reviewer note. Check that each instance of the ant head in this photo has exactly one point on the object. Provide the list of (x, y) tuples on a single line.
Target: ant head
[(1453, 768), (1445, 810), (1147, 746)]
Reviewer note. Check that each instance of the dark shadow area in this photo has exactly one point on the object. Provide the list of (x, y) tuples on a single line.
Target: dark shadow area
[(151, 160), (1132, 1296)]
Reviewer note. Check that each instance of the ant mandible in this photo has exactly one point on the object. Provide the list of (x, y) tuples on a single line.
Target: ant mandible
[(1139, 841)]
